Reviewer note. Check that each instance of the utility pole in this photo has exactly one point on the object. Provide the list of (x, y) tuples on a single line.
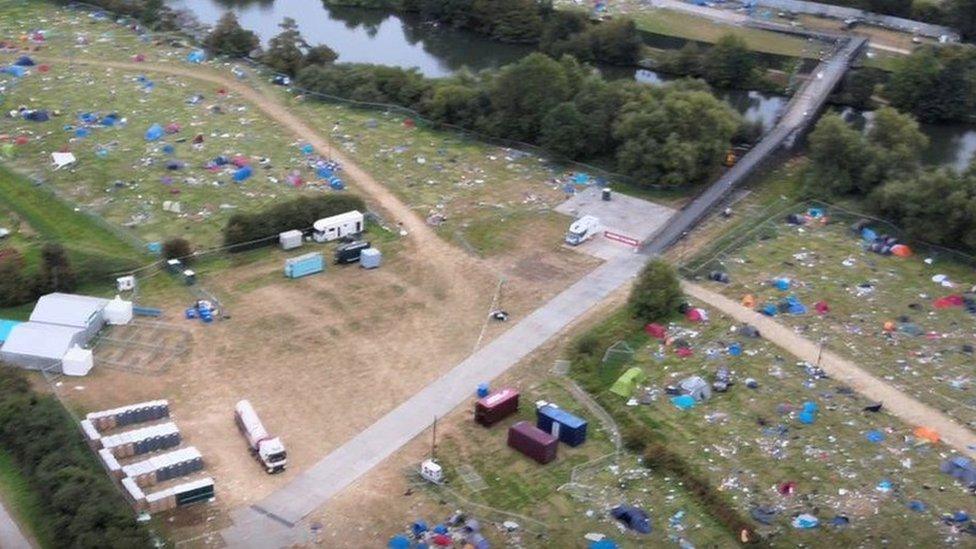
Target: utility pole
[(433, 439)]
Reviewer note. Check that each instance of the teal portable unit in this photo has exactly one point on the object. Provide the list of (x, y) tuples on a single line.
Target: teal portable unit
[(304, 265)]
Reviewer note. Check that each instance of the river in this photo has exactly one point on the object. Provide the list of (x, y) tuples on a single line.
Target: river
[(375, 36), (950, 145)]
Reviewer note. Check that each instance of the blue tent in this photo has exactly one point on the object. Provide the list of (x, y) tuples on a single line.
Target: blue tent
[(36, 116), (768, 309), (196, 56), (605, 543), (684, 402), (243, 174), (398, 542), (336, 184), (88, 117), (868, 234), (581, 178), (632, 517), (14, 70), (24, 61), (874, 436), (324, 172), (307, 149), (154, 133), (807, 418), (110, 120)]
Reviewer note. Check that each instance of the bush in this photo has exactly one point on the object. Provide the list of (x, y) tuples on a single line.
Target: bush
[(178, 248), (57, 274), (636, 437), (16, 287), (248, 231), (83, 507), (657, 293)]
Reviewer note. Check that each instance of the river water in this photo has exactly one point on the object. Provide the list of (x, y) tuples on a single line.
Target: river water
[(375, 36)]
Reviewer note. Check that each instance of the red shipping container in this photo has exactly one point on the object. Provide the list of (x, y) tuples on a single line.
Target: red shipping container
[(533, 442), (496, 407)]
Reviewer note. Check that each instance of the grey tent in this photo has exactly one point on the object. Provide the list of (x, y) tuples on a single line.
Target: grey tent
[(696, 388)]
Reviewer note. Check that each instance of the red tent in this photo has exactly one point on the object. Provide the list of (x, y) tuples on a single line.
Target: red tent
[(138, 58), (43, 68), (240, 161), (656, 331), (684, 352), (173, 128), (821, 307), (21, 140), (442, 540), (948, 301), (694, 315)]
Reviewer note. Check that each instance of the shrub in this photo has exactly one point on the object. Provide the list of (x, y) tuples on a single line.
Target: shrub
[(57, 274), (178, 248), (656, 293), (229, 38), (15, 286)]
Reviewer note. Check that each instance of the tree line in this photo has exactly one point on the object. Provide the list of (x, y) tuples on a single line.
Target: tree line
[(19, 284), (79, 502), (882, 167)]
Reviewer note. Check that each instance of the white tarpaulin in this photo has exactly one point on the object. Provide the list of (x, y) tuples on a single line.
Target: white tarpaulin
[(62, 159)]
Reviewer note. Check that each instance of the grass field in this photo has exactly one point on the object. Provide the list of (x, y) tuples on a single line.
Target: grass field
[(747, 442), (23, 504), (864, 291), (514, 483)]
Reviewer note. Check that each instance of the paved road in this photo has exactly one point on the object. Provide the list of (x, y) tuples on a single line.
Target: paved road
[(10, 535), (801, 111), (272, 522), (896, 403)]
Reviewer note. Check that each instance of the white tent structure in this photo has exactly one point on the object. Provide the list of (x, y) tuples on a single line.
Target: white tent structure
[(38, 346), (77, 361), (118, 312)]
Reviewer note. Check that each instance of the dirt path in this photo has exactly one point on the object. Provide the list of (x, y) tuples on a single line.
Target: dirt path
[(439, 254), (895, 402)]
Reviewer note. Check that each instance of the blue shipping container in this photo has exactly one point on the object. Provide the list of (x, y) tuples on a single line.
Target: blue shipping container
[(304, 265), (562, 424)]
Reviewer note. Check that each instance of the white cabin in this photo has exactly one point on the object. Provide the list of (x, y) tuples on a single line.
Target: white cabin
[(338, 226)]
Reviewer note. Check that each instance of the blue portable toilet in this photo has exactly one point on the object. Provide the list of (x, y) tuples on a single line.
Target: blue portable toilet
[(561, 424), (304, 265), (196, 56), (483, 390)]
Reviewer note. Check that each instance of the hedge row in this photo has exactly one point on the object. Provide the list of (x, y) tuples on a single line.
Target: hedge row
[(247, 231), (83, 508)]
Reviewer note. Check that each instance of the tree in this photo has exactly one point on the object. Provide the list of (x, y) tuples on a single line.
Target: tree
[(898, 142), (285, 50), (56, 272), (523, 93), (841, 160), (936, 84), (455, 102), (564, 131), (673, 136), (729, 63), (616, 42), (656, 293), (178, 248), (15, 286), (938, 206), (962, 16), (319, 55), (229, 38)]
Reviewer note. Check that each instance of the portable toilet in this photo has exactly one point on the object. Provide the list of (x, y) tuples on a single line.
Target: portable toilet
[(189, 277), (290, 240), (561, 424), (370, 258), (304, 265), (174, 265)]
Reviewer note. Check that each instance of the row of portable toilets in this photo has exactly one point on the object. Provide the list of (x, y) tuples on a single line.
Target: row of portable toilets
[(162, 460)]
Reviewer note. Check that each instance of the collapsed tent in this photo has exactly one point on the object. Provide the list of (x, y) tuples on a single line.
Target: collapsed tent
[(36, 116), (154, 133), (656, 331), (961, 469), (633, 518), (14, 70), (196, 56)]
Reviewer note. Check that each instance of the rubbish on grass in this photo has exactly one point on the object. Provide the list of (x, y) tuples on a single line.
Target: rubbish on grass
[(656, 331), (62, 159), (873, 407), (763, 515), (632, 517), (917, 506), (805, 521), (719, 276), (874, 436), (154, 133), (928, 434)]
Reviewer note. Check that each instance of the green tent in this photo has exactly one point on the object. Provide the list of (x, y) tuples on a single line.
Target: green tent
[(625, 385)]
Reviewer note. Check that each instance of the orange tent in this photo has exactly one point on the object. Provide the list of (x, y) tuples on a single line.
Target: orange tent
[(748, 300), (901, 250), (927, 434)]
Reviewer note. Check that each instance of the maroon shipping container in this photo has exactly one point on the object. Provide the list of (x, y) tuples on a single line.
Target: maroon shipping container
[(533, 442), (496, 407)]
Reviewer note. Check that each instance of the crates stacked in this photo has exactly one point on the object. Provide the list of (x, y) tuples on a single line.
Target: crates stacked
[(142, 441), (180, 495), (161, 468), (129, 415)]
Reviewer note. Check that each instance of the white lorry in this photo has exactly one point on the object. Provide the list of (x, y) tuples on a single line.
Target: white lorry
[(582, 230), (269, 451)]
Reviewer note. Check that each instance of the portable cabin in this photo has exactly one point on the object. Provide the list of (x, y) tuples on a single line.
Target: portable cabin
[(370, 258), (118, 312), (189, 277), (561, 424), (496, 407), (77, 361), (110, 463), (304, 265), (289, 240), (174, 266), (338, 226), (533, 442)]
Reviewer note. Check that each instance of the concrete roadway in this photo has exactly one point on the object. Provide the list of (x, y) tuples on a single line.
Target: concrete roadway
[(276, 521), (10, 535)]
